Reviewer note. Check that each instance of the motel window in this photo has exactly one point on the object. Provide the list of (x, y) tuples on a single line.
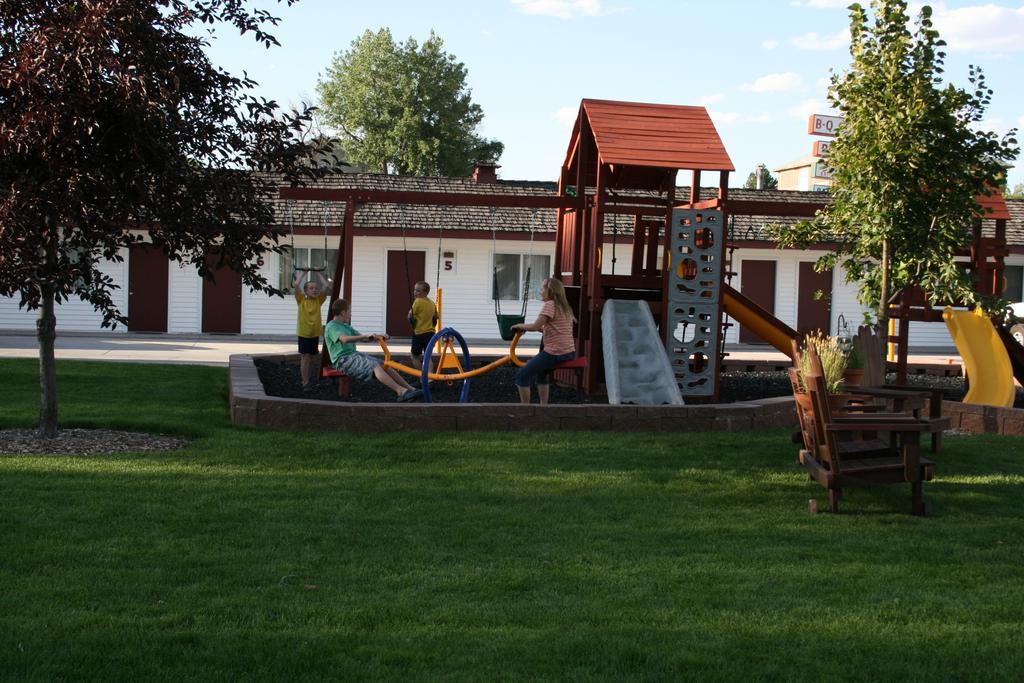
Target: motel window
[(302, 257), (1014, 283), (510, 272)]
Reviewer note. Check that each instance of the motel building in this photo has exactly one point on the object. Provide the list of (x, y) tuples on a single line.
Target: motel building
[(479, 258)]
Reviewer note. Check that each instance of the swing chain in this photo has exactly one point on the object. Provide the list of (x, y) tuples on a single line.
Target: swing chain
[(529, 265), (494, 263)]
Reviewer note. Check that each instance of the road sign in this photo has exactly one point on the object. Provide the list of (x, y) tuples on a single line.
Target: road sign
[(820, 148), (821, 170), (819, 124)]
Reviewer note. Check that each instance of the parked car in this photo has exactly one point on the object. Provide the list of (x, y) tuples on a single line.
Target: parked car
[(1018, 315)]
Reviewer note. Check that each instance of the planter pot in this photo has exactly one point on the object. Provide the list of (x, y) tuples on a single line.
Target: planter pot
[(837, 402), (853, 376)]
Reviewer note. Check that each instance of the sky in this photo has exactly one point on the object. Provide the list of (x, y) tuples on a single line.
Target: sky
[(759, 67)]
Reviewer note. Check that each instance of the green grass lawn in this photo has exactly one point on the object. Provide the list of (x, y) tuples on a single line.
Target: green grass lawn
[(285, 556)]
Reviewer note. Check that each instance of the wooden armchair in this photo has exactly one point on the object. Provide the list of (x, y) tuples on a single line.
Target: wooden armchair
[(921, 402), (841, 451), (854, 404)]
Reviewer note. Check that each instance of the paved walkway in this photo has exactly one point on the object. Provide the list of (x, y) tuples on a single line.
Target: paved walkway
[(215, 349)]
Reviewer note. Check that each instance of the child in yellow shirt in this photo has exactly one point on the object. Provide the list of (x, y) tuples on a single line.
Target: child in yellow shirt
[(309, 298), (423, 317)]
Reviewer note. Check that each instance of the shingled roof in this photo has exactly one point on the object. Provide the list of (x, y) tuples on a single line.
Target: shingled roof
[(315, 214)]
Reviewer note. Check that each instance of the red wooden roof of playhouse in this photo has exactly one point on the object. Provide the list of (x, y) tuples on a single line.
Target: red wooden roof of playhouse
[(993, 206), (653, 135)]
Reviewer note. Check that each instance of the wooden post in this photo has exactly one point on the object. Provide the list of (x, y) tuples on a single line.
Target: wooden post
[(639, 239), (667, 258), (582, 224), (903, 340), (348, 241), (595, 292), (559, 234), (723, 201)]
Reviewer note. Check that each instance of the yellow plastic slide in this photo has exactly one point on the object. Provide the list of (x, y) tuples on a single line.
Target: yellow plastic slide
[(986, 363), (759, 321)]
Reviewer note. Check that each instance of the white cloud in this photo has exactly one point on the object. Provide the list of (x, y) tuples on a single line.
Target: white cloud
[(566, 115), (821, 4), (813, 41), (724, 118), (711, 99), (562, 9), (995, 125), (803, 109), (763, 117), (823, 83), (784, 82), (728, 118), (769, 44), (981, 28)]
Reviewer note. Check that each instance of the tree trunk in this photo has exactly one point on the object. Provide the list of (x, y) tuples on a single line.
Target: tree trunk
[(46, 333), (883, 301)]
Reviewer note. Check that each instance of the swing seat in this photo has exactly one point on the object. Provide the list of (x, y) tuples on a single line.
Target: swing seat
[(505, 323)]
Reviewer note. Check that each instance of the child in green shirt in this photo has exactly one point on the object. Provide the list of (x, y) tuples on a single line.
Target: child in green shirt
[(340, 338)]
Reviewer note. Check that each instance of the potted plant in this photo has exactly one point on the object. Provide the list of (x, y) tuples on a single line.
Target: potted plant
[(854, 372), (833, 363)]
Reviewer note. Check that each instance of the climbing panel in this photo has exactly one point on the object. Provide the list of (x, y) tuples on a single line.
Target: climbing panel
[(693, 328)]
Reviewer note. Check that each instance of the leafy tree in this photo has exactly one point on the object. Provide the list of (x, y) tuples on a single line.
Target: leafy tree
[(1016, 193), (112, 117), (907, 163), (768, 181), (404, 108)]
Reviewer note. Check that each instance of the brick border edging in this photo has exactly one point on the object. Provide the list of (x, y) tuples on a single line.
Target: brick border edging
[(252, 407), (984, 419)]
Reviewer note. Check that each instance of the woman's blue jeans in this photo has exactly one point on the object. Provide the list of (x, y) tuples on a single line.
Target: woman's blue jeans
[(537, 369)]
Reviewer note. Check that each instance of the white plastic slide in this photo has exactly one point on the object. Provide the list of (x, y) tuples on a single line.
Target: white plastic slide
[(636, 367)]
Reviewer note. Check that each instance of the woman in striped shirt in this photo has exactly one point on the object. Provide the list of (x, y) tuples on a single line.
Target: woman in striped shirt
[(557, 346)]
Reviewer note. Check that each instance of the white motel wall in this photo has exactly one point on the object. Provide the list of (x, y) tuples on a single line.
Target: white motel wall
[(468, 306)]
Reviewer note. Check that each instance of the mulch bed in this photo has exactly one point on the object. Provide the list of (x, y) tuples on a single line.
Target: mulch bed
[(282, 379), (85, 442), (498, 386)]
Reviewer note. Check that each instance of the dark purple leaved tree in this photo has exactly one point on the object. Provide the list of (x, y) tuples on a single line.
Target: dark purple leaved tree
[(113, 118)]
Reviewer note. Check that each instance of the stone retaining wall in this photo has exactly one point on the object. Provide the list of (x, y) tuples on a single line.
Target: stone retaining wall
[(250, 406), (984, 419)]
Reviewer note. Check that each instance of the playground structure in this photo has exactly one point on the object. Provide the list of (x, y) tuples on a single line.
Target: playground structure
[(622, 161)]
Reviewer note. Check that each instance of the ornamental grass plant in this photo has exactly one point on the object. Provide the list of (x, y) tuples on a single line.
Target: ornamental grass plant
[(833, 360)]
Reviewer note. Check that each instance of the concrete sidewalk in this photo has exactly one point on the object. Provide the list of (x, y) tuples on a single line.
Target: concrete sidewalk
[(214, 349), (208, 349)]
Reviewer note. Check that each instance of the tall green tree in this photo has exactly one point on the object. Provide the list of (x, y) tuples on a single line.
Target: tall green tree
[(908, 162), (1016, 193), (768, 181), (404, 108), (112, 117)]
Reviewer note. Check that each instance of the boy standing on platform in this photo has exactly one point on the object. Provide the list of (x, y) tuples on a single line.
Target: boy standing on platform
[(422, 317), (309, 298)]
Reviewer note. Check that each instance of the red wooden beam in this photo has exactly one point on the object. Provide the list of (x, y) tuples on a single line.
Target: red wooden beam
[(764, 207), (435, 198)]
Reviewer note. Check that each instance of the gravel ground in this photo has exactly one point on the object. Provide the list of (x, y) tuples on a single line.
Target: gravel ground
[(85, 442), (497, 386)]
